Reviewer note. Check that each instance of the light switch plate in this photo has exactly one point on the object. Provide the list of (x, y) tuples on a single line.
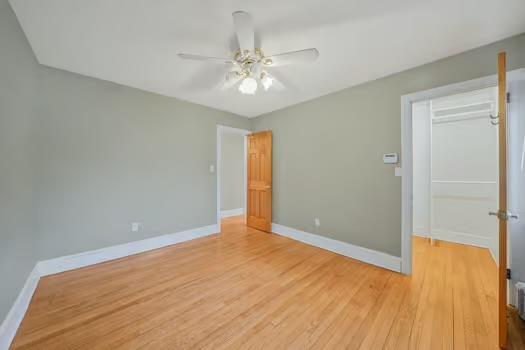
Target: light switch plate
[(398, 171), (212, 168)]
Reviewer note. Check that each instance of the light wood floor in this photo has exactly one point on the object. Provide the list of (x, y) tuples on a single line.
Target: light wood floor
[(248, 289)]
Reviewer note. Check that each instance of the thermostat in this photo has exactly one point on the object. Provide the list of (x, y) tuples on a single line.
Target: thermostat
[(391, 158)]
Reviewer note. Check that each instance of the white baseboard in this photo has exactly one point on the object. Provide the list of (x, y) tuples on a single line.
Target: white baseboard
[(232, 212), (369, 256), (461, 238), (18, 310), (48, 267), (71, 262), (421, 232), (422, 235)]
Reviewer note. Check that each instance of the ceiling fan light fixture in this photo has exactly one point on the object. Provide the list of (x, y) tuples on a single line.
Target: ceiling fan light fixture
[(266, 81), (248, 86), (248, 63)]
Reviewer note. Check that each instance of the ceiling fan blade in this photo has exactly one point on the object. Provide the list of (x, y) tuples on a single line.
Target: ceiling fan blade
[(219, 60), (301, 56), (243, 23)]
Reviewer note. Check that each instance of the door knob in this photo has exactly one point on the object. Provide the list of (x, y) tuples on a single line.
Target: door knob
[(502, 215)]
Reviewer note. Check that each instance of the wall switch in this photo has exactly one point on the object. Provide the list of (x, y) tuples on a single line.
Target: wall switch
[(317, 222), (212, 168), (398, 171), (136, 226)]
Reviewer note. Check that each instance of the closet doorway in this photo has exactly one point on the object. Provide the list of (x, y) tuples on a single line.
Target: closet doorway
[(453, 198), (455, 166)]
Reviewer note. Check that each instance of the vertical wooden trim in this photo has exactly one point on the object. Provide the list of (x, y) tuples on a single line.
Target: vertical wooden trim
[(270, 176), (502, 278), (245, 177)]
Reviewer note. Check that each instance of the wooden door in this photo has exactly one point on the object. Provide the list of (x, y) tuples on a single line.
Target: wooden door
[(259, 203), (503, 209)]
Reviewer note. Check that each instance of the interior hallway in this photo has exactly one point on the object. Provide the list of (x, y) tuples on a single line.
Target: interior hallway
[(245, 288)]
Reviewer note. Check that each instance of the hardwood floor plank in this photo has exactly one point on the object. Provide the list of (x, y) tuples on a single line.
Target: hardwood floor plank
[(375, 337), (400, 333), (247, 289)]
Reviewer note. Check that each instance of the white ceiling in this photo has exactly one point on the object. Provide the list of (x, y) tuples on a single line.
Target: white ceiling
[(136, 42)]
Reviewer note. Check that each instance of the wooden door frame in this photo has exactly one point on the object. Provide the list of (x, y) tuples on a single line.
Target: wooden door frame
[(245, 133), (407, 156)]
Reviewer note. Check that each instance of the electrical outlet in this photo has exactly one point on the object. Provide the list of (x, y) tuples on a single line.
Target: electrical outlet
[(136, 226), (317, 222)]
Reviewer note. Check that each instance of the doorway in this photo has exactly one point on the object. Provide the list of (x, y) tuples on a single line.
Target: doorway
[(231, 172), (511, 143), (455, 169), (244, 177)]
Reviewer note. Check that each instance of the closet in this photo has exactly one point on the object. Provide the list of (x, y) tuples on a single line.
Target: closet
[(456, 169)]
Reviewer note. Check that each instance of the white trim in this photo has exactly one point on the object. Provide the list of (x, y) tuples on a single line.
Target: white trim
[(461, 238), (229, 129), (421, 232), (407, 195), (422, 235), (232, 212), (445, 109), (431, 170), (75, 261), (18, 310), (407, 156), (47, 267), (369, 256)]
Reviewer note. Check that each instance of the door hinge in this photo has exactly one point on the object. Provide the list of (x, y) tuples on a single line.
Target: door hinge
[(509, 274), (508, 97)]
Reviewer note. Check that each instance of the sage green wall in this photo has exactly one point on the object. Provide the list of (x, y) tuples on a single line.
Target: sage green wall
[(17, 81), (82, 158), (328, 151), (232, 167), (108, 155)]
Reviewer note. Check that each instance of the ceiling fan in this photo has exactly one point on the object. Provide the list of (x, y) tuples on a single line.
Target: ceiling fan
[(249, 64)]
